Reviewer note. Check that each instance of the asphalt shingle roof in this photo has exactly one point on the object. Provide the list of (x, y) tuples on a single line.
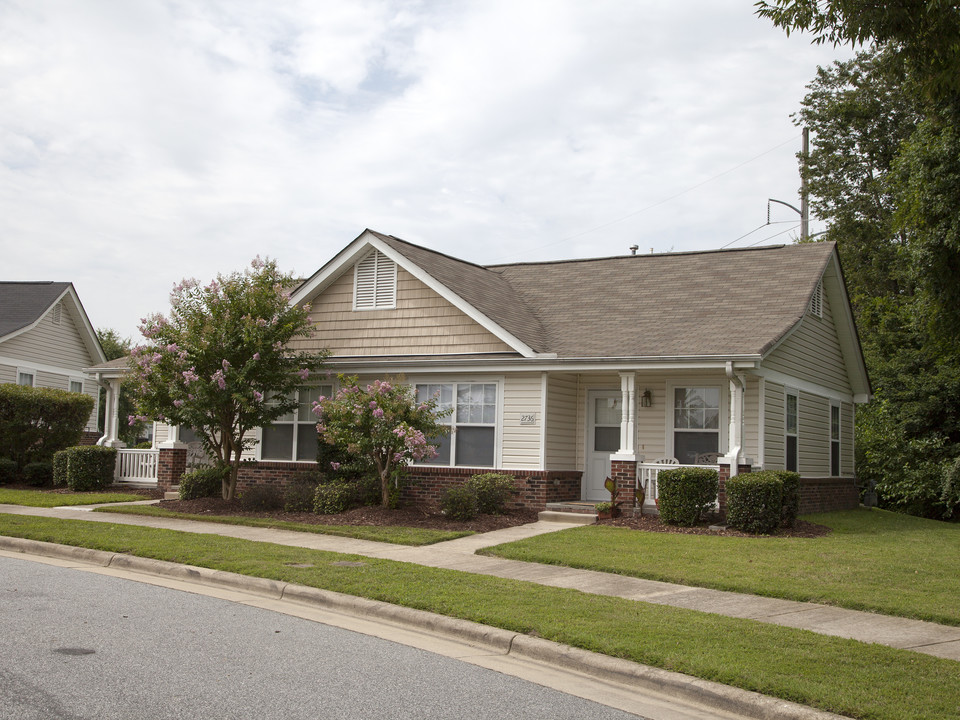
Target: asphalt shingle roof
[(725, 302), (23, 303)]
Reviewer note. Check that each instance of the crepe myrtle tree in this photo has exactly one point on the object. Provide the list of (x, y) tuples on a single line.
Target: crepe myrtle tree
[(220, 363), (384, 422)]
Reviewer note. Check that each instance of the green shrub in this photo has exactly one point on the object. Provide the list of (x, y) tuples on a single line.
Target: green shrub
[(333, 497), (8, 471), (261, 497), (459, 503), (492, 491), (203, 482), (84, 467), (755, 502), (37, 422), (38, 473), (684, 494), (791, 496), (299, 492)]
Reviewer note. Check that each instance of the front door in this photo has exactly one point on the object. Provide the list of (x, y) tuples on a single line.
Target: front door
[(604, 410)]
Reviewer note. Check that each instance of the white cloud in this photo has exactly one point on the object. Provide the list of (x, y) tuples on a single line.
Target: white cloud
[(144, 142)]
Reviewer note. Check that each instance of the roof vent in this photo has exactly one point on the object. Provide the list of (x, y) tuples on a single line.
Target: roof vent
[(633, 249)]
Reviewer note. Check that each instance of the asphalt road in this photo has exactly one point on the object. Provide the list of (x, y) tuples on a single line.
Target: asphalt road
[(79, 645)]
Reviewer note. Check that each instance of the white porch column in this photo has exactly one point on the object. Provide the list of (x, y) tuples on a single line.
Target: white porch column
[(111, 419), (628, 415), (173, 439), (735, 431)]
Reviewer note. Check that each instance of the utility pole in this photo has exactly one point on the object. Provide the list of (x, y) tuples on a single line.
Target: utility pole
[(804, 208)]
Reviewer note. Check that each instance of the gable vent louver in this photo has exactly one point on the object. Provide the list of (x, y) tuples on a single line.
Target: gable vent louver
[(816, 302), (375, 283), (57, 310)]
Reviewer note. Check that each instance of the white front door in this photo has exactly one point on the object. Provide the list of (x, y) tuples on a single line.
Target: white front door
[(604, 411)]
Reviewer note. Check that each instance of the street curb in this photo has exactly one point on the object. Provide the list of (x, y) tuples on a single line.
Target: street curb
[(603, 667)]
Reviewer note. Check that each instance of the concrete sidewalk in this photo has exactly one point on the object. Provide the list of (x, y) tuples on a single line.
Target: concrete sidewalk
[(924, 637)]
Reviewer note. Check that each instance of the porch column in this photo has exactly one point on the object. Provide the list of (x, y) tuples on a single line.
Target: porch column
[(111, 415), (628, 416), (735, 432)]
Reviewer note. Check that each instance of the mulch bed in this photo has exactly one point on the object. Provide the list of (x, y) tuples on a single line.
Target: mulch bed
[(431, 517)]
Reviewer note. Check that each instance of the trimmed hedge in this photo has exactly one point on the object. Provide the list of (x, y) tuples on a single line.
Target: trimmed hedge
[(333, 497), (37, 422), (791, 496), (755, 502), (38, 473), (459, 503), (85, 467), (685, 494), (492, 491), (203, 482), (8, 471)]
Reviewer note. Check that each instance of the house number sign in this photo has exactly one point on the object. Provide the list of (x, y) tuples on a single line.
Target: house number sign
[(528, 419)]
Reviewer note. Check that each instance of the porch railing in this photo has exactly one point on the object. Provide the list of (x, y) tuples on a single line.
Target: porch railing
[(136, 465), (647, 474)]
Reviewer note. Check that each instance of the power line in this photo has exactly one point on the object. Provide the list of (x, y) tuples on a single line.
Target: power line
[(777, 222)]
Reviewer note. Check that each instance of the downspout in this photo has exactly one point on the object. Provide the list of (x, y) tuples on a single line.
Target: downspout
[(735, 444)]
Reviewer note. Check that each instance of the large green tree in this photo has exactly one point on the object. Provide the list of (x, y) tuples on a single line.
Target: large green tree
[(222, 363), (882, 173)]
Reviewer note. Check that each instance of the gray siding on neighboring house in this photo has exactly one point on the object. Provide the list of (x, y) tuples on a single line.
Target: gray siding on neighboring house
[(812, 353), (561, 422), (846, 438)]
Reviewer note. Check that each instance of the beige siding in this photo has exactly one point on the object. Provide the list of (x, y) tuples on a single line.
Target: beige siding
[(812, 353), (561, 422), (422, 323), (751, 419), (813, 432), (48, 344), (8, 374), (521, 443), (161, 431), (774, 452), (846, 439)]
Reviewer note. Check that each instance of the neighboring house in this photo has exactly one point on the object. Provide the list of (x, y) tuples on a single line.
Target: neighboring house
[(565, 373), (46, 340)]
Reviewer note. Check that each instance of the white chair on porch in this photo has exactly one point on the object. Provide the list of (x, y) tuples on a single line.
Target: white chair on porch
[(648, 478)]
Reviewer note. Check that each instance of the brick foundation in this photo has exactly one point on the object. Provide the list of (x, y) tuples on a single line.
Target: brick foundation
[(272, 474), (90, 437), (828, 494), (171, 464), (536, 487)]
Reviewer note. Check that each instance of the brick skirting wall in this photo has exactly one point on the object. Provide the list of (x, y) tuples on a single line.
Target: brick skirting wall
[(270, 473), (536, 487), (828, 494), (171, 464), (90, 437)]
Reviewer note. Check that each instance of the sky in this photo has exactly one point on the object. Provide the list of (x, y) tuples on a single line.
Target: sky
[(146, 141)]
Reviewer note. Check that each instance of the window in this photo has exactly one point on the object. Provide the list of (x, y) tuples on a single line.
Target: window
[(835, 440), (375, 282), (607, 415), (25, 377), (696, 423), (473, 422), (816, 301), (791, 431), (294, 436), (76, 386)]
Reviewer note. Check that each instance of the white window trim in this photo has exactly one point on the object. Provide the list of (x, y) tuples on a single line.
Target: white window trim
[(838, 441), (724, 420), (295, 423), (378, 258), (498, 423), (796, 393), (72, 380), (32, 372)]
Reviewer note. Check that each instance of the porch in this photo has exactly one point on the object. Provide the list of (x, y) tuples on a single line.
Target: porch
[(136, 467)]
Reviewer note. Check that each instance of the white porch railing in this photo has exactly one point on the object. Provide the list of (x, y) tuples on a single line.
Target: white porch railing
[(136, 465), (647, 474)]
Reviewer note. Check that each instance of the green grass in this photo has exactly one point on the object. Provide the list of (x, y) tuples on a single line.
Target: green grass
[(873, 560), (386, 533), (41, 498), (842, 676)]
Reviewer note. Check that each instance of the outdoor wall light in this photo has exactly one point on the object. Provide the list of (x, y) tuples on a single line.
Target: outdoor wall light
[(646, 400)]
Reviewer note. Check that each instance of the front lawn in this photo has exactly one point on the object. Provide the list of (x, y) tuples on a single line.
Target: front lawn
[(873, 560), (843, 676), (395, 534), (56, 498)]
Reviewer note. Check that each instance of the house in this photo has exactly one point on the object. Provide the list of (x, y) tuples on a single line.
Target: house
[(565, 373), (46, 340)]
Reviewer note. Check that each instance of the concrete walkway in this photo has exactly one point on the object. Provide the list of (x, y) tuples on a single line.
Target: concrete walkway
[(924, 637)]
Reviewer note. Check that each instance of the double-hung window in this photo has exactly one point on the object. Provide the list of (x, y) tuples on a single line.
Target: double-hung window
[(26, 377), (696, 424), (835, 440), (76, 386), (293, 436), (791, 430), (472, 418)]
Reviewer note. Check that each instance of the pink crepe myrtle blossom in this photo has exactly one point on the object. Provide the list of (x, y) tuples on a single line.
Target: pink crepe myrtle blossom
[(218, 378), (304, 373), (256, 356), (178, 403), (335, 465), (190, 376), (226, 364), (258, 396)]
